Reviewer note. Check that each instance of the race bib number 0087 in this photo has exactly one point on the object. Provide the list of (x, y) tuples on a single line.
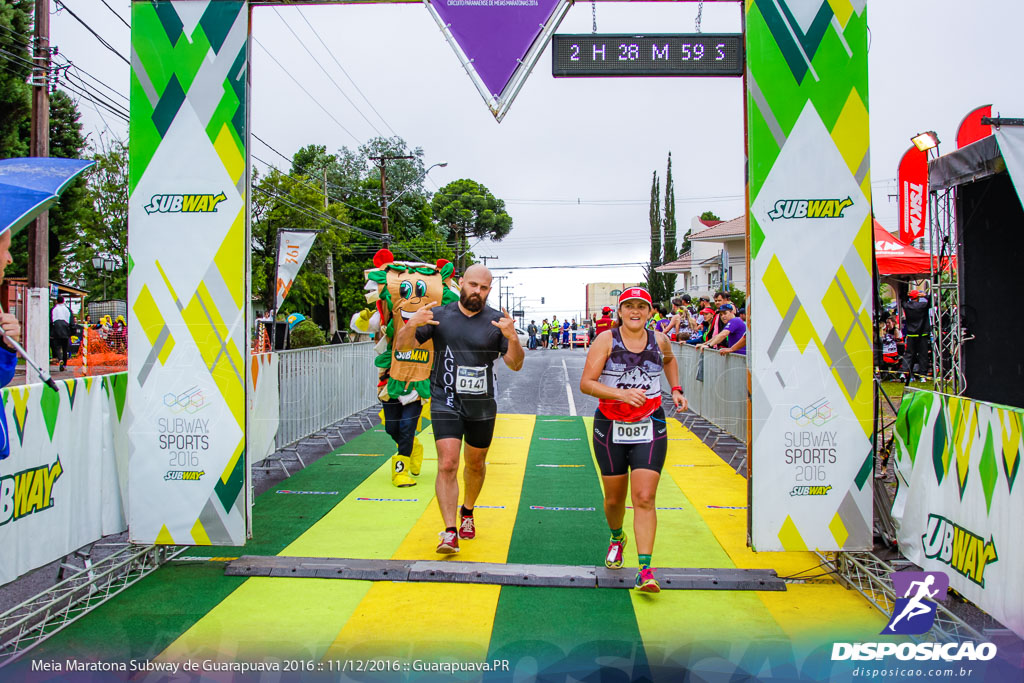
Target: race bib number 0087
[(469, 380), (633, 432)]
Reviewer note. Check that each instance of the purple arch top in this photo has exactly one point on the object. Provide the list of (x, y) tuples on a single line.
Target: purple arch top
[(495, 34)]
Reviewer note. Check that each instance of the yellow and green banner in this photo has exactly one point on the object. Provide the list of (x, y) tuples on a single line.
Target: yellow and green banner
[(63, 485), (810, 278), (187, 280), (958, 507)]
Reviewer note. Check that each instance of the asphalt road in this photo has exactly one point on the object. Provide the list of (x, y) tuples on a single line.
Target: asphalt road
[(547, 384)]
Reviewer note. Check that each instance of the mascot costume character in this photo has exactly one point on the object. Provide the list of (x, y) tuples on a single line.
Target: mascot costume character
[(399, 289)]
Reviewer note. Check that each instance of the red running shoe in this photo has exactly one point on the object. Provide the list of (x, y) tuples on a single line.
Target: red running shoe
[(646, 582), (613, 560), (449, 543), (467, 528)]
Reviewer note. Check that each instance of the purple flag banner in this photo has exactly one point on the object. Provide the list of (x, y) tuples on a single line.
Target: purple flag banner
[(496, 37)]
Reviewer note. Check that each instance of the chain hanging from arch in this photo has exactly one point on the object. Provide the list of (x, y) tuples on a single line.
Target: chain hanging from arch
[(700, 11), (593, 12)]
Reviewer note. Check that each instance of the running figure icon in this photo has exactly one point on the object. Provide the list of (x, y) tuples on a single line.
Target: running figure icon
[(915, 606)]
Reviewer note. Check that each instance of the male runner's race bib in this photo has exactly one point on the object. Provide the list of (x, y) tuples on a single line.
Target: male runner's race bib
[(633, 432), (469, 380)]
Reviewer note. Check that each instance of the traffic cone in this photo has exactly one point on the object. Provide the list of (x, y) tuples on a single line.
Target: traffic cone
[(416, 459), (400, 471)]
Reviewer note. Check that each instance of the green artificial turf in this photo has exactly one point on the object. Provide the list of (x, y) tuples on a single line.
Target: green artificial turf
[(570, 629)]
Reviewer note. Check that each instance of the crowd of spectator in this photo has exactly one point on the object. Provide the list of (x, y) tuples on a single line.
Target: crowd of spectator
[(708, 323), (714, 323)]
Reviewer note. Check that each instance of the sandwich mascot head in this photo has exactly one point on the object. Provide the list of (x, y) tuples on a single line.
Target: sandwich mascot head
[(399, 289)]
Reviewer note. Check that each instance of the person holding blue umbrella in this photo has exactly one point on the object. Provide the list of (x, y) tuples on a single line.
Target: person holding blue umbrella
[(8, 358), (28, 187)]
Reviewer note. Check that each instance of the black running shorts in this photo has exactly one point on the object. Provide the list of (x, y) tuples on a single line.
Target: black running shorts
[(448, 424), (614, 459)]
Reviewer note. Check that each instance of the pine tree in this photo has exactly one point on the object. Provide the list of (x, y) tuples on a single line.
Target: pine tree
[(669, 242), (654, 278), (15, 94)]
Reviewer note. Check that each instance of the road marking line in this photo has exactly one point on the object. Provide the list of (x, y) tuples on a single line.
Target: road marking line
[(568, 390)]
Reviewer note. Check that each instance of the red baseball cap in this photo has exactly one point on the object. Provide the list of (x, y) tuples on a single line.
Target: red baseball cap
[(913, 294), (606, 310), (707, 310), (635, 293)]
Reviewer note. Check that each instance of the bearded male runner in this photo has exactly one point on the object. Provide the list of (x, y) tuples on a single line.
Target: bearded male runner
[(468, 337)]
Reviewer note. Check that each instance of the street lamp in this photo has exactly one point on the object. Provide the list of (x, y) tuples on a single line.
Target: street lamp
[(104, 266), (384, 194), (442, 164)]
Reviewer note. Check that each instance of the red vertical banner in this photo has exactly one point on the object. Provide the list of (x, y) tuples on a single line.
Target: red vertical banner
[(912, 183), (972, 129)]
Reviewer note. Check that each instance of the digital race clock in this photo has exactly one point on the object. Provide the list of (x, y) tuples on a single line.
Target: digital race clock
[(675, 54)]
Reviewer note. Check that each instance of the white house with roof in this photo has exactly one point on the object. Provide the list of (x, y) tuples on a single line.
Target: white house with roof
[(717, 258)]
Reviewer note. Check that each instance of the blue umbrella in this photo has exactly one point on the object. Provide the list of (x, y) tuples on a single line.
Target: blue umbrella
[(31, 185)]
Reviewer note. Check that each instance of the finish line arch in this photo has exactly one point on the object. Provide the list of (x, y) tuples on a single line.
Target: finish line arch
[(810, 257)]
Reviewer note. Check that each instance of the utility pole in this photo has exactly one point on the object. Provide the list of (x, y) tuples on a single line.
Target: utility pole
[(488, 258), (332, 312), (382, 165), (37, 310), (507, 293)]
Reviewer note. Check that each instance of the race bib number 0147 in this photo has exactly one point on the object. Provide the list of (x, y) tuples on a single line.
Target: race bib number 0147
[(633, 432), (470, 380)]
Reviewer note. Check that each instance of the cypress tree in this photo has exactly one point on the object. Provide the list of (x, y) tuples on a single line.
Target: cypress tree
[(654, 278), (669, 242)]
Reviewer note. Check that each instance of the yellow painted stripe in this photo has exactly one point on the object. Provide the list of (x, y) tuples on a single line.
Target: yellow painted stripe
[(822, 610), (681, 535), (446, 621), (285, 617)]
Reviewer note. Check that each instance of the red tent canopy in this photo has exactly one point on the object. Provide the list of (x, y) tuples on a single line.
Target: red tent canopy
[(895, 258)]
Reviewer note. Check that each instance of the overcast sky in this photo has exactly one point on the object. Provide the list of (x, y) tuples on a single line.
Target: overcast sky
[(573, 158)]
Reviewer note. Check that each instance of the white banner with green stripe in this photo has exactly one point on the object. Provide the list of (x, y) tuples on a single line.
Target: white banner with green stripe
[(188, 283), (810, 275), (63, 484), (956, 509)]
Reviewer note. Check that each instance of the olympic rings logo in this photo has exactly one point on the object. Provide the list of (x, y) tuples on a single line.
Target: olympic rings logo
[(190, 401), (818, 413)]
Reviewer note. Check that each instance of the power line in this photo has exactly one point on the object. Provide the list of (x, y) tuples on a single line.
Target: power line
[(105, 85), (104, 43), (314, 213), (19, 38), (84, 94), (354, 85), (303, 88), (362, 192), (316, 187), (129, 26), (17, 59), (92, 91), (87, 96), (329, 77)]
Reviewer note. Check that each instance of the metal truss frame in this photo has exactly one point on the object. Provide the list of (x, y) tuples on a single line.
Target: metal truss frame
[(870, 576), (26, 625), (948, 338)]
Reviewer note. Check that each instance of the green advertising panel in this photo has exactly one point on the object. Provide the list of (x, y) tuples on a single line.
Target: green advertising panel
[(187, 283), (810, 256)]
